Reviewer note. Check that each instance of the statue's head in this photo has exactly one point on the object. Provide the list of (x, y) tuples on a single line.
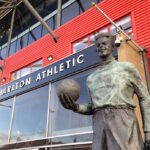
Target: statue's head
[(105, 44)]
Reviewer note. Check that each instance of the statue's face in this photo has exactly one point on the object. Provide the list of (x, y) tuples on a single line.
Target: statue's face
[(104, 47)]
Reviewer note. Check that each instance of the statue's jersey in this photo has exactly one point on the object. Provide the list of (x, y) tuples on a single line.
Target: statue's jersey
[(114, 84)]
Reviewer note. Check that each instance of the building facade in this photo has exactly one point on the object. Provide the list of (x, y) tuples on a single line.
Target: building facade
[(31, 113)]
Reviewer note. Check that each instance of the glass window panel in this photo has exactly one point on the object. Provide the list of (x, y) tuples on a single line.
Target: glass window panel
[(125, 23), (44, 31), (51, 23), (16, 75), (73, 147), (103, 30), (12, 48), (25, 71), (37, 32), (66, 15), (25, 39), (92, 39), (19, 43), (32, 38), (78, 46), (65, 121), (37, 65), (30, 115), (22, 42), (5, 117), (73, 138), (84, 5), (3, 52)]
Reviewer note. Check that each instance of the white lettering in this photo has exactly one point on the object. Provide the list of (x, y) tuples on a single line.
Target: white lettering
[(28, 81), (38, 77), (55, 70), (4, 91), (8, 89), (43, 74), (73, 62), (61, 67), (12, 87), (17, 84), (80, 59), (68, 63), (50, 72), (1, 92), (22, 83)]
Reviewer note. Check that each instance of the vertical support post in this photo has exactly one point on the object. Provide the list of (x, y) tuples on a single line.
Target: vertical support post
[(12, 119), (10, 31), (39, 18), (146, 69), (59, 4)]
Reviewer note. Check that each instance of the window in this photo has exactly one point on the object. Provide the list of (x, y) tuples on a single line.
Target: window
[(28, 34), (51, 23), (36, 66), (65, 121), (73, 147), (26, 70), (89, 40), (5, 117), (82, 44), (125, 24), (70, 12), (3, 53), (30, 115), (22, 41), (12, 48)]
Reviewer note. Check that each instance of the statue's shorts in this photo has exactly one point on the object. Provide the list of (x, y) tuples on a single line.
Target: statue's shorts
[(116, 129)]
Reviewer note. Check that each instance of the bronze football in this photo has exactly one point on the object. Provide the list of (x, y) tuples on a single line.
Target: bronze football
[(69, 87)]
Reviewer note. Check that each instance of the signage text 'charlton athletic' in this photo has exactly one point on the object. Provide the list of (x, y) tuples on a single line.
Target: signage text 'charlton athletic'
[(62, 66)]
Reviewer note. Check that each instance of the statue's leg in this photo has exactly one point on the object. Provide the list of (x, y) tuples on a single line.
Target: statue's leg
[(99, 137), (122, 131)]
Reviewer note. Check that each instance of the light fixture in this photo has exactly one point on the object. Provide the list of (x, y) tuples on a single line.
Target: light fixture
[(4, 79), (49, 58)]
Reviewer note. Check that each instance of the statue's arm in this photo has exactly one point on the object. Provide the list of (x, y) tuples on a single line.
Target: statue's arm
[(85, 109), (144, 98), (69, 103)]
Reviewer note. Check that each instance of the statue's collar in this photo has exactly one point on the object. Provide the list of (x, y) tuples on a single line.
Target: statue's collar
[(108, 62)]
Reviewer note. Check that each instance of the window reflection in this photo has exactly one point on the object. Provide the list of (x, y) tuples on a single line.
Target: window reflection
[(37, 32), (82, 44), (84, 6), (125, 24), (73, 8), (73, 147), (76, 138), (27, 70), (65, 121), (30, 115), (37, 65), (12, 48), (89, 40), (22, 42), (5, 117), (3, 52)]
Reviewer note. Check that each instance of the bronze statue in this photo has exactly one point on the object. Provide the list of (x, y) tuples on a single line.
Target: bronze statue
[(111, 88)]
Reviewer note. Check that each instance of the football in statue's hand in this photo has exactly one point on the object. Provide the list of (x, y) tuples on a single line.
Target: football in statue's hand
[(69, 88)]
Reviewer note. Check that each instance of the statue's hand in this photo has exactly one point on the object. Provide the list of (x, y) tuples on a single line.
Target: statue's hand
[(147, 141), (68, 102)]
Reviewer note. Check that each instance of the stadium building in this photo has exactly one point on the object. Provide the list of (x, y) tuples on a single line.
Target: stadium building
[(43, 42)]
